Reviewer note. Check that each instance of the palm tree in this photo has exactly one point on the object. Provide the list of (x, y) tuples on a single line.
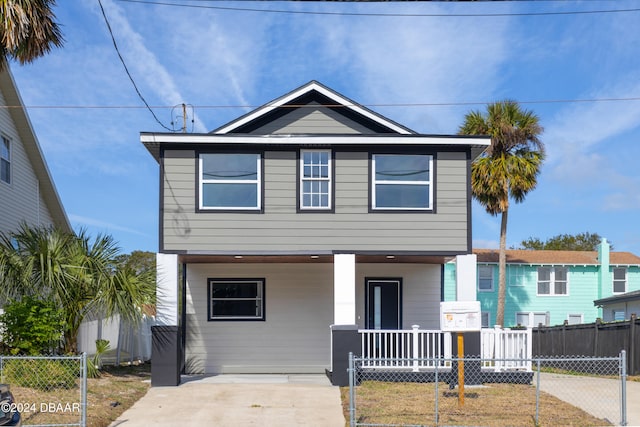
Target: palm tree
[(28, 30), (78, 273), (508, 168)]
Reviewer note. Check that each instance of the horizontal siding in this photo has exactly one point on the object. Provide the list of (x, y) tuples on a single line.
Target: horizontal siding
[(281, 228), (420, 292), (21, 200), (295, 337), (311, 120)]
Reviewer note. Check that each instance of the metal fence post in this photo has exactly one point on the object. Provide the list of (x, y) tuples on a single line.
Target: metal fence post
[(623, 388), (436, 397), (83, 392), (538, 392), (352, 403)]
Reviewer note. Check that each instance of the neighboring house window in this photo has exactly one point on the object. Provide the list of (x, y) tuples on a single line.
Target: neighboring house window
[(486, 319), (619, 280), (5, 160), (402, 181), (516, 275), (618, 315), (230, 181), (532, 319), (552, 281), (315, 179), (236, 299), (485, 278), (574, 319)]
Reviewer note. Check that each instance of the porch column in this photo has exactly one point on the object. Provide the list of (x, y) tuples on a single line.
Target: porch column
[(166, 354), (344, 289), (167, 289), (344, 331), (466, 272)]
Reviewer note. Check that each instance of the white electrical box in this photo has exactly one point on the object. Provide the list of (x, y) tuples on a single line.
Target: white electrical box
[(460, 316)]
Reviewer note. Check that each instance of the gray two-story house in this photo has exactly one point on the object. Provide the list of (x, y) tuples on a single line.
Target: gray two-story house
[(303, 218)]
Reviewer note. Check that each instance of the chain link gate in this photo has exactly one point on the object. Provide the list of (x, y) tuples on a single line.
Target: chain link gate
[(47, 390), (554, 391)]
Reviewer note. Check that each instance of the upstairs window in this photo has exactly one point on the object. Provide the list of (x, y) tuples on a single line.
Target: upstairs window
[(315, 179), (5, 160), (485, 278), (401, 182), (552, 281), (230, 181), (619, 280)]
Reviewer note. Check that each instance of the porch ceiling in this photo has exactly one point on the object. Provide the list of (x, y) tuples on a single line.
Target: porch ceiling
[(293, 259)]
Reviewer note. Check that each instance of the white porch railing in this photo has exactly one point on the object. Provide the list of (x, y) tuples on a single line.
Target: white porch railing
[(506, 349), (417, 349), (501, 349)]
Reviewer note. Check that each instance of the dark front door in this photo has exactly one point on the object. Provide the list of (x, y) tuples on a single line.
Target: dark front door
[(383, 303)]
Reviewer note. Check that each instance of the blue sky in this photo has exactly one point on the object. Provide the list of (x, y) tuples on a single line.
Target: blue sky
[(425, 72)]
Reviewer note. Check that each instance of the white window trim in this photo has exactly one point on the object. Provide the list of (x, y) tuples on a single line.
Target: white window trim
[(531, 317), (374, 182), (329, 179), (516, 271), (10, 144), (259, 298), (613, 280), (257, 182), (490, 267), (569, 315), (552, 283), (488, 314)]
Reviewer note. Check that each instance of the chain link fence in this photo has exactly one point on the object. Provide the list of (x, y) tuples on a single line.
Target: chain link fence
[(568, 391), (47, 390)]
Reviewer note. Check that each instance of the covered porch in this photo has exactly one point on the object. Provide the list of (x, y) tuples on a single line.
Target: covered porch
[(308, 299)]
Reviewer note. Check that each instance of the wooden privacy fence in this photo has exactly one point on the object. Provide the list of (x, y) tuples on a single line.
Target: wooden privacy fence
[(591, 339)]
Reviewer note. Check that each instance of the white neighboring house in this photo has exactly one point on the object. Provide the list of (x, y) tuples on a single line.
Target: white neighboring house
[(28, 195), (27, 191)]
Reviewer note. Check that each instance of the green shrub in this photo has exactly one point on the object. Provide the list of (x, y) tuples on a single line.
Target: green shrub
[(31, 326)]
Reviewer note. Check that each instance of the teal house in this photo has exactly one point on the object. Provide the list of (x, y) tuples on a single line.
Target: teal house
[(552, 287)]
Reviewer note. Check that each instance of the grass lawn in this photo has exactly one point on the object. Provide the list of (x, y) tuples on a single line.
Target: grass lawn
[(490, 405), (107, 397)]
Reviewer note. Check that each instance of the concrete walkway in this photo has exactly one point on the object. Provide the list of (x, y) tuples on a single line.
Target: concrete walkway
[(598, 396), (239, 400)]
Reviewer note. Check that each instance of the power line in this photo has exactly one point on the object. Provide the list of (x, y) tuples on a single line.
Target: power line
[(399, 105), (408, 15), (126, 69)]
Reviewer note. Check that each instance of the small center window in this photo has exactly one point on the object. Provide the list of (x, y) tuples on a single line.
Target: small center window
[(230, 181), (315, 179), (402, 181)]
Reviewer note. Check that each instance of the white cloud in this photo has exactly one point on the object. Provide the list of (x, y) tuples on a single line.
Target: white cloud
[(100, 224)]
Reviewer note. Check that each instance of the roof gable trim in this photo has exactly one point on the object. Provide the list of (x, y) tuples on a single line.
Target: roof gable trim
[(339, 100)]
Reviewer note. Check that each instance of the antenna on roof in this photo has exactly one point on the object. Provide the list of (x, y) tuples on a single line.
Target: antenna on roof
[(180, 114)]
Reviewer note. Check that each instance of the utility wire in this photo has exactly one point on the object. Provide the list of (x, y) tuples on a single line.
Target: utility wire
[(409, 15), (126, 69), (404, 104)]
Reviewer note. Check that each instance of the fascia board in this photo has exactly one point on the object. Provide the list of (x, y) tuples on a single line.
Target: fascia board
[(381, 139)]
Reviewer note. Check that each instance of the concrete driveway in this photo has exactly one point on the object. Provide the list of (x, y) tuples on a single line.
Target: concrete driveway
[(239, 400), (598, 396)]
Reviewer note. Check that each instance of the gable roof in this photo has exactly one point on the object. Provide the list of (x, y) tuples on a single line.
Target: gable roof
[(523, 256), (32, 147), (312, 93)]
